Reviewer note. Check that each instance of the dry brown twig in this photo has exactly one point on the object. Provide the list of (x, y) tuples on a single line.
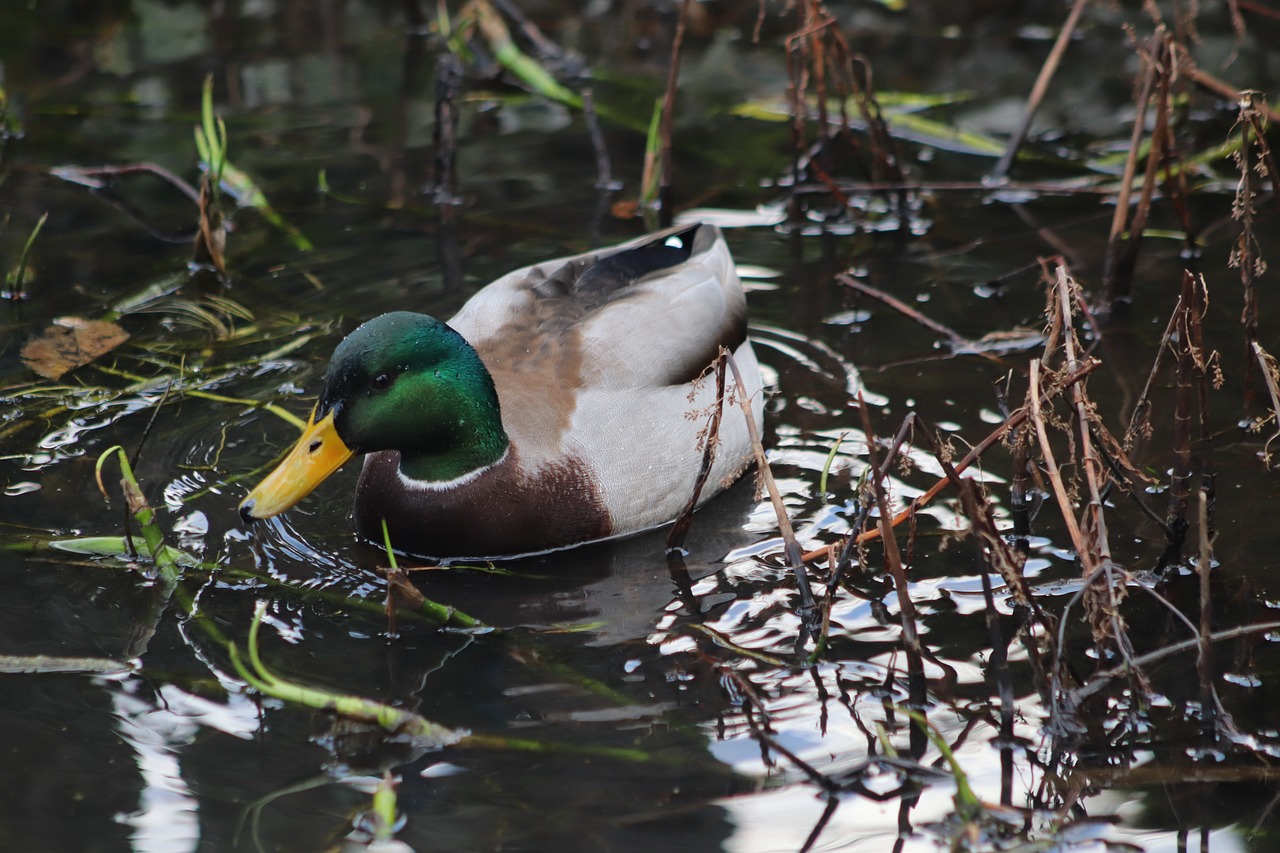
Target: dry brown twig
[(1271, 376), (676, 537), (1094, 471), (893, 561), (1015, 419), (795, 557), (1104, 589), (1038, 90), (1127, 225), (819, 58), (1246, 254)]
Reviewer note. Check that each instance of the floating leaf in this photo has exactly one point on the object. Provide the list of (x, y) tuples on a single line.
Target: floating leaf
[(59, 664), (900, 110), (116, 546), (70, 343), (893, 104), (510, 57)]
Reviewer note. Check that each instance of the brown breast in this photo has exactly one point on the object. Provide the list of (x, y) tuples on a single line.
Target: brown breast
[(504, 511)]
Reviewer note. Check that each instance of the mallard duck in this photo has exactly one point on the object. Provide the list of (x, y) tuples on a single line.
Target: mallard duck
[(565, 403)]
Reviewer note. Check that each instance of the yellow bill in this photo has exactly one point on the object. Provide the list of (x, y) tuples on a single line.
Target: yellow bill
[(318, 453)]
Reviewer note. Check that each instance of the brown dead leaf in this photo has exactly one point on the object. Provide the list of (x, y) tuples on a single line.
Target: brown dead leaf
[(625, 209), (400, 593), (70, 343)]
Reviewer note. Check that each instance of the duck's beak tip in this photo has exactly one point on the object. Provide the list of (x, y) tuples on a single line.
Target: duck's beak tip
[(318, 452)]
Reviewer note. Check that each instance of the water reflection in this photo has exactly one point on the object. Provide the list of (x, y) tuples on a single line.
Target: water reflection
[(167, 817)]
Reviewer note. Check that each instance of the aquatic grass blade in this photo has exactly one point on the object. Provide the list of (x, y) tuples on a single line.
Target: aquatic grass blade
[(16, 280), (394, 721), (211, 144)]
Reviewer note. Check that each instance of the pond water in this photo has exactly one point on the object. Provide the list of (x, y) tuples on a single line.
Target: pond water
[(628, 701)]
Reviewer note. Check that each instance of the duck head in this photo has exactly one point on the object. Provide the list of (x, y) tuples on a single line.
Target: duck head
[(404, 382)]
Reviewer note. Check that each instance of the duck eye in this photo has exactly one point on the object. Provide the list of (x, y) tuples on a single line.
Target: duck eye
[(381, 381)]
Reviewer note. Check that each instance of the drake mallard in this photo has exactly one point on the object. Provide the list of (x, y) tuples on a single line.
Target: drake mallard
[(567, 402)]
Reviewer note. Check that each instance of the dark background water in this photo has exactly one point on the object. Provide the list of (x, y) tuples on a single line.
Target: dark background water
[(178, 755)]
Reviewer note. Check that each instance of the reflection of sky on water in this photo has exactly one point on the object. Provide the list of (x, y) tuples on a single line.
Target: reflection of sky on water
[(786, 809), (167, 819)]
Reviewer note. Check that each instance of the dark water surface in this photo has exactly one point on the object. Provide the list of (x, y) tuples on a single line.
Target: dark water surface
[(330, 107)]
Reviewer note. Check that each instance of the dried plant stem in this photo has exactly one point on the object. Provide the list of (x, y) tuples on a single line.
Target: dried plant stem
[(1204, 659), (1251, 115), (1188, 68), (665, 167), (884, 153), (1126, 231), (795, 557), (1012, 422), (99, 177), (1140, 418), (1201, 362), (893, 563), (1100, 679), (604, 168), (1121, 214), (1101, 605), (444, 177), (1050, 67), (956, 339), (997, 553), (675, 539), (1093, 466), (1055, 475), (819, 60), (997, 556), (1180, 476), (1158, 151), (1246, 254), (1271, 376)]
